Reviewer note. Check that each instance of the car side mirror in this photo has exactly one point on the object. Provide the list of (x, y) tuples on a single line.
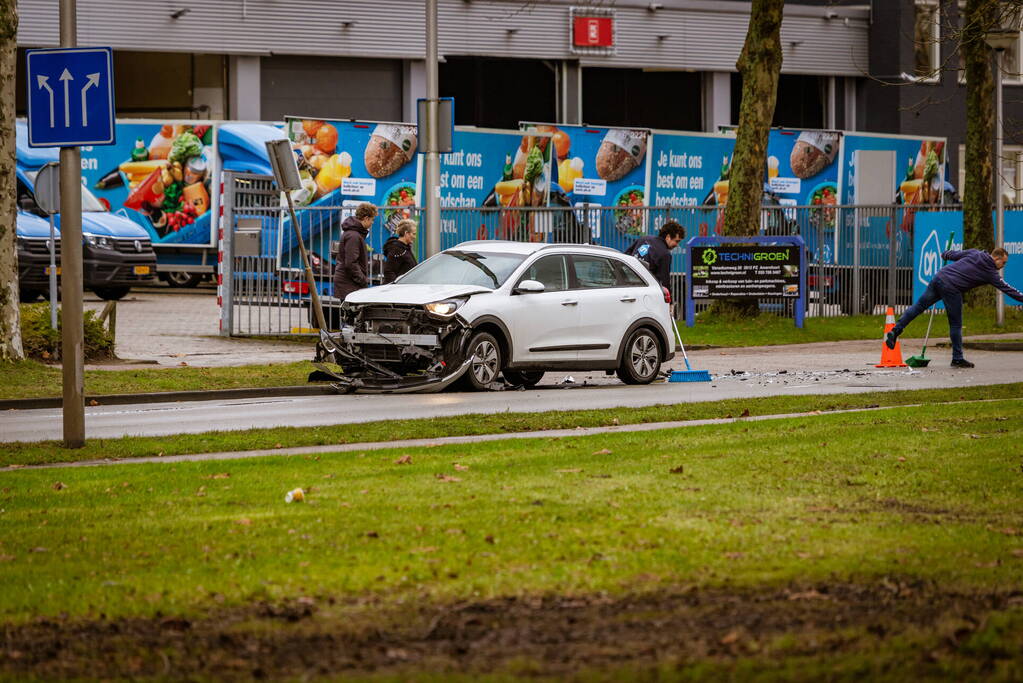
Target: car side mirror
[(529, 287)]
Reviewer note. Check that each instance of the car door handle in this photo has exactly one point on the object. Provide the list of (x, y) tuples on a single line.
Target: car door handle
[(628, 299), (569, 302)]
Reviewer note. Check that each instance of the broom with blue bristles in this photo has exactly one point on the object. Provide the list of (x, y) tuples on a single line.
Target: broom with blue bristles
[(687, 375)]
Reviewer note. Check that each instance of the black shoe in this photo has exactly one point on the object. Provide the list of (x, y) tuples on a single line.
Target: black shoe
[(961, 363), (889, 340)]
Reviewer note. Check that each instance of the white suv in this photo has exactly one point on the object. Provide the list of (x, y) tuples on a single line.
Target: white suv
[(482, 309)]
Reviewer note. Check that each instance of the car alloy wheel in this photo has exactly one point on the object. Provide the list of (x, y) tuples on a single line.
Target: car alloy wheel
[(642, 359), (486, 361)]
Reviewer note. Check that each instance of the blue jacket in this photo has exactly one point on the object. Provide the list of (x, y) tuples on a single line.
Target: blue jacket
[(973, 268), (652, 251)]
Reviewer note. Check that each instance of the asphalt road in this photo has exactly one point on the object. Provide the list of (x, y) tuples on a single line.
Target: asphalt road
[(845, 367)]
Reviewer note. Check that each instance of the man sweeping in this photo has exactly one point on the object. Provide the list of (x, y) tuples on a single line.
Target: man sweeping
[(968, 269)]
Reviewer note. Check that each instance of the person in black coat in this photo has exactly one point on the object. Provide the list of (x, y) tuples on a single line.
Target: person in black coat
[(351, 269), (398, 251), (654, 251)]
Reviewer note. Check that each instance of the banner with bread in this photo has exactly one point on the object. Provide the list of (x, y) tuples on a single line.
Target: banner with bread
[(159, 175), (600, 168), (803, 170)]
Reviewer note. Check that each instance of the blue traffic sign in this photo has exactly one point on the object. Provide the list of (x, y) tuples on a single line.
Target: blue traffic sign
[(70, 97)]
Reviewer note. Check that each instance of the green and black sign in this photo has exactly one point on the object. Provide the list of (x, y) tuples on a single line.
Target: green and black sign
[(729, 272)]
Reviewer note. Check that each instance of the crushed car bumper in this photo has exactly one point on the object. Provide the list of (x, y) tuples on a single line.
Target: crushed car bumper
[(377, 379)]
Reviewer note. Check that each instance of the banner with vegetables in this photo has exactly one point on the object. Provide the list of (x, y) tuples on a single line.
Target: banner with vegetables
[(919, 162), (495, 169), (600, 167), (159, 176)]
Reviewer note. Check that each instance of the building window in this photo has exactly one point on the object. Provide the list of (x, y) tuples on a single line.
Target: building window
[(1012, 66), (1012, 172), (927, 40)]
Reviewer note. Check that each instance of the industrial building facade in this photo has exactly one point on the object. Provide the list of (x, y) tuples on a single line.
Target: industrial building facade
[(888, 66)]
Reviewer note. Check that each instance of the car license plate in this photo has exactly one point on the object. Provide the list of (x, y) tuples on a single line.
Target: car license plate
[(48, 270), (142, 270)]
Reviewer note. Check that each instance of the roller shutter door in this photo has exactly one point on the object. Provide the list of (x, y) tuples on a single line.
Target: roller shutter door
[(331, 87)]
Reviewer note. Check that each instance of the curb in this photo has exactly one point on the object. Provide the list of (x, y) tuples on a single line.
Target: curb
[(987, 345), (169, 396)]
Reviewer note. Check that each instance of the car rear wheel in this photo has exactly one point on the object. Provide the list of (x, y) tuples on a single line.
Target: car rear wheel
[(27, 296), (111, 293), (484, 354), (176, 278), (642, 358), (523, 378)]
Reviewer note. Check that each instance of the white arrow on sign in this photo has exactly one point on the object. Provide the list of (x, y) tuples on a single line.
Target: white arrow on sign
[(42, 80), (93, 80), (66, 76)]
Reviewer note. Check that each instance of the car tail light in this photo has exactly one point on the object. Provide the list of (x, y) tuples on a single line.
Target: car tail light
[(667, 295), (291, 287)]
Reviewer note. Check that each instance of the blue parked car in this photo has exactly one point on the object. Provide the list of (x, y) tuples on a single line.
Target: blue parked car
[(116, 252)]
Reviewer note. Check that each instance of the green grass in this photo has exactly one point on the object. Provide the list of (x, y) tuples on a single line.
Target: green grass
[(927, 493), (29, 453), (770, 329), (30, 379)]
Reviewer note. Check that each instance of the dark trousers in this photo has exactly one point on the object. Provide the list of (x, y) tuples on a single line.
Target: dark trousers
[(953, 299)]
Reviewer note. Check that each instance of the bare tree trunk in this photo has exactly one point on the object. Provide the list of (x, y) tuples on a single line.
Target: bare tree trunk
[(759, 65), (10, 324), (978, 229)]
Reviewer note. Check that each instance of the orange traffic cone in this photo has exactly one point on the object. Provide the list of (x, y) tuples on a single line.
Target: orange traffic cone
[(890, 358)]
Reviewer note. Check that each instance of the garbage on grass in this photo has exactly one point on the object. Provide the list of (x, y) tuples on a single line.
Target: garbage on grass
[(294, 496)]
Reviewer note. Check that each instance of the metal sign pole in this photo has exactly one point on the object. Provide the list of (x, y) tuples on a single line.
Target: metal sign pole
[(432, 156), (72, 334), (999, 198)]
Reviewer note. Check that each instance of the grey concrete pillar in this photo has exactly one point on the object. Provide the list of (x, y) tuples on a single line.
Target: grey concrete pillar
[(244, 99), (717, 100), (413, 88), (570, 99)]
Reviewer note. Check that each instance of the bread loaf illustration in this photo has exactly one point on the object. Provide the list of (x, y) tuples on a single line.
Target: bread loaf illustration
[(389, 148), (813, 152), (620, 152)]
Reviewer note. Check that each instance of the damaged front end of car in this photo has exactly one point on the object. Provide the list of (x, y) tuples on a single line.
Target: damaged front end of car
[(394, 348)]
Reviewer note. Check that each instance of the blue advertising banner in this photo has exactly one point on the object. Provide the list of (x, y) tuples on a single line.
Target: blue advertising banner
[(920, 166), (496, 169), (598, 167), (930, 235), (158, 175), (802, 168), (346, 163)]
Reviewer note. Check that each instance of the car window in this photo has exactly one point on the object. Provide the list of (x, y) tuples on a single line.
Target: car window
[(551, 271), (482, 268), (593, 272), (629, 277)]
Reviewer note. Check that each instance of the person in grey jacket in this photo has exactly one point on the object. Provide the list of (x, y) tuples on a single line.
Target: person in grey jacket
[(970, 268), (351, 270)]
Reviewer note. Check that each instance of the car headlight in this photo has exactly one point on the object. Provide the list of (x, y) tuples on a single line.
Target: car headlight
[(446, 308), (98, 241)]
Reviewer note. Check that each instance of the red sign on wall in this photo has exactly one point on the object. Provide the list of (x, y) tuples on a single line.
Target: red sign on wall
[(593, 32)]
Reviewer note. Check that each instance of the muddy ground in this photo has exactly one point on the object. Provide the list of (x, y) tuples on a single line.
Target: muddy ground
[(541, 636)]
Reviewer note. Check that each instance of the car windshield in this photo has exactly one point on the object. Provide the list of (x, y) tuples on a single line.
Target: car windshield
[(481, 268)]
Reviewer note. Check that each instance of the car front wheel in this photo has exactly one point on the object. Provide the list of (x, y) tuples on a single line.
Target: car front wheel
[(111, 293), (523, 378), (484, 354), (642, 358)]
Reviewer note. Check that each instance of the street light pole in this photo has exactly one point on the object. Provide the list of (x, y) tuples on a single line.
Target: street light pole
[(72, 333), (999, 198), (432, 155)]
